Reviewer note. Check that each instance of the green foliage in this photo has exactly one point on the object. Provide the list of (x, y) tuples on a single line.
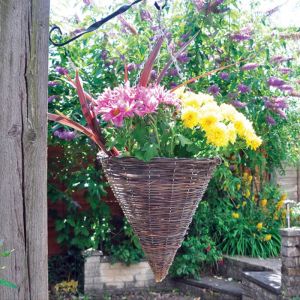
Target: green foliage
[(214, 224), (5, 253), (198, 252), (243, 222), (125, 246)]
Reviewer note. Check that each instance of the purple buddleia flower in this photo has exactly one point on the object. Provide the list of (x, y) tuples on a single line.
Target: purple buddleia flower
[(286, 88), (53, 83), (131, 67), (153, 74), (249, 66), (243, 35), (154, 28), (214, 89), (279, 59), (268, 104), (280, 103), (87, 2), (51, 98), (200, 4), (173, 85), (173, 72), (244, 89), (285, 70), (146, 16), (281, 113), (224, 75), (218, 2), (238, 104), (275, 82), (276, 59), (183, 58), (64, 134), (104, 54), (185, 36), (277, 105), (270, 121), (61, 70)]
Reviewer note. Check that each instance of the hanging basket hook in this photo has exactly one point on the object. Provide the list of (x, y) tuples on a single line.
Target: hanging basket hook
[(93, 27)]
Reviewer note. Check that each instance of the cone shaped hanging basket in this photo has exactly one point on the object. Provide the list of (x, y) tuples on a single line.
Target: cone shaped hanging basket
[(159, 199)]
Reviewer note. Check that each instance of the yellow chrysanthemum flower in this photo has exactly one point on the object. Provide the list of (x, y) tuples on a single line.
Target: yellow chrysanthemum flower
[(191, 100), (244, 203), (190, 117), (263, 202), (238, 187), (205, 98), (229, 112), (259, 226), (232, 134), (242, 125), (217, 135), (268, 237), (208, 119), (253, 141), (235, 215), (211, 107)]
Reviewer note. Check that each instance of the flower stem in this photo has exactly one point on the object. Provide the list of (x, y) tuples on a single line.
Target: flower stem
[(154, 123)]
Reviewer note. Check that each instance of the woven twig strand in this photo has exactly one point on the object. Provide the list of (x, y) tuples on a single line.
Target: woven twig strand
[(159, 199)]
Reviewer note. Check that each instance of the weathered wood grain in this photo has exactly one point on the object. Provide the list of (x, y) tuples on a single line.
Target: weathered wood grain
[(290, 182), (23, 143)]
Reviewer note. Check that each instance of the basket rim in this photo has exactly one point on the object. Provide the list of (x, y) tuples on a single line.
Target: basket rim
[(216, 159)]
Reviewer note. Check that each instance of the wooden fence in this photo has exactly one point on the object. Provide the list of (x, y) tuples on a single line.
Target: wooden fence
[(290, 182)]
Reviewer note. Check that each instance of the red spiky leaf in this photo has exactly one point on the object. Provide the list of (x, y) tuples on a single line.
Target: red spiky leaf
[(145, 76), (64, 120), (87, 95)]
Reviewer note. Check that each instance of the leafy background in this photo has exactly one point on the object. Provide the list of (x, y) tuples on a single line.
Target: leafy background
[(227, 219)]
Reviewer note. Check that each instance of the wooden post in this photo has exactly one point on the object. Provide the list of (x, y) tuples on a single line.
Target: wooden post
[(23, 145)]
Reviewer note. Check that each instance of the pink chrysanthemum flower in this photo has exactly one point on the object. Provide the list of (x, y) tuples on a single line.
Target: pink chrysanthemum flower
[(126, 102)]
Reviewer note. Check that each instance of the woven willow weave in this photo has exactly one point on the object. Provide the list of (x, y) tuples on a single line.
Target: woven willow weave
[(159, 199)]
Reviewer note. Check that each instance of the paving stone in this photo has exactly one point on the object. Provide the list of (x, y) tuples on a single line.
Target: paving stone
[(218, 285), (268, 280)]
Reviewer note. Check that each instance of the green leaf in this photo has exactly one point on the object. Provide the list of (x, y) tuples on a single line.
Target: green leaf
[(151, 152), (6, 283), (183, 140), (5, 253)]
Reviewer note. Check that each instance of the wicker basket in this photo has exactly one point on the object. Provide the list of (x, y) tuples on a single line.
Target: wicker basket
[(159, 199)]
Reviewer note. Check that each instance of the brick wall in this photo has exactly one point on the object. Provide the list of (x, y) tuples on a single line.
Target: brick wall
[(290, 257), (100, 275)]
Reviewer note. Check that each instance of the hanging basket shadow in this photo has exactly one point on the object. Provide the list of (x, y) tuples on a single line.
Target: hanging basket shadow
[(159, 199)]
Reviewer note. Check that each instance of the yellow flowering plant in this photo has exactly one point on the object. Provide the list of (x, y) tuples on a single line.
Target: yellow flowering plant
[(246, 222), (220, 125)]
